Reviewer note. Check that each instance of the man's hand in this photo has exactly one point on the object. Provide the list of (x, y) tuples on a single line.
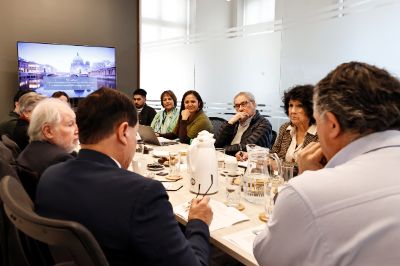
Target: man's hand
[(185, 114), (200, 209), (242, 116), (310, 157)]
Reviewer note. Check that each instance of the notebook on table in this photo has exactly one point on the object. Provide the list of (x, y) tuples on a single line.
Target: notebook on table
[(148, 135)]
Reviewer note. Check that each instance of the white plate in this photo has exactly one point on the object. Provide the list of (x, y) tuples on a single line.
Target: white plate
[(160, 153)]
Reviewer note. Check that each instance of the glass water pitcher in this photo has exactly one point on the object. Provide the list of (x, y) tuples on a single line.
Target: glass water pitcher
[(262, 170)]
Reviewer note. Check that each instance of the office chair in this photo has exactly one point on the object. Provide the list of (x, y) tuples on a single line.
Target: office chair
[(273, 138), (70, 243), (6, 154), (217, 122), (10, 249), (12, 145)]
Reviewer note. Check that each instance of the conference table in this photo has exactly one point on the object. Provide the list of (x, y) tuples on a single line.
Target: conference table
[(182, 195)]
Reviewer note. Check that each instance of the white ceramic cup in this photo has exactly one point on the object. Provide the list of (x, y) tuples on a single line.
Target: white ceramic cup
[(231, 166), (139, 165)]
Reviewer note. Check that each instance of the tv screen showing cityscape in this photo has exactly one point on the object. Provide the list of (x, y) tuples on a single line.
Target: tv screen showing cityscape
[(75, 69)]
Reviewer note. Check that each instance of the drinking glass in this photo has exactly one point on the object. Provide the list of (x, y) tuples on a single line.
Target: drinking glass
[(183, 156), (233, 191), (140, 147), (220, 152), (287, 171), (183, 160), (270, 192), (174, 171)]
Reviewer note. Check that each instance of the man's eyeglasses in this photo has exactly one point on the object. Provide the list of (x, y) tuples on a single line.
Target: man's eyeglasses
[(212, 182), (242, 104)]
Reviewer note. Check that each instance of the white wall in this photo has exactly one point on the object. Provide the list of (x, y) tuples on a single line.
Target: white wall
[(307, 39)]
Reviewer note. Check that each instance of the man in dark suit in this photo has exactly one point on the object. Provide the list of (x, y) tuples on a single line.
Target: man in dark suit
[(129, 215), (53, 135), (8, 125), (146, 113)]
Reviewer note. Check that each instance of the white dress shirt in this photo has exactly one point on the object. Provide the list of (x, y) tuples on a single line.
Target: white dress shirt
[(294, 147), (345, 214)]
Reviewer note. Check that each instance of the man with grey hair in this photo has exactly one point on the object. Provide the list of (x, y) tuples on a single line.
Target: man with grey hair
[(27, 103), (346, 213), (247, 126), (53, 135)]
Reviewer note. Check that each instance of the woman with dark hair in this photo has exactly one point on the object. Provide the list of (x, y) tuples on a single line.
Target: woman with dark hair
[(301, 130), (165, 120), (191, 120)]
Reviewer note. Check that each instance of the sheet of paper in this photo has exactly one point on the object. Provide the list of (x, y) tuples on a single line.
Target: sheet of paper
[(224, 216), (244, 239), (243, 164)]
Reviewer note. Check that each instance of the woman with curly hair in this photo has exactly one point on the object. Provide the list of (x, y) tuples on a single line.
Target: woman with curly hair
[(301, 129)]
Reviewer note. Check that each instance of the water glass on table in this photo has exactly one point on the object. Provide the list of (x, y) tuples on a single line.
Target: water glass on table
[(287, 171), (174, 170), (220, 152), (233, 190)]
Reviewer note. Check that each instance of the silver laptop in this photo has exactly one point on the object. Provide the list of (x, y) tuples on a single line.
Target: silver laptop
[(148, 135)]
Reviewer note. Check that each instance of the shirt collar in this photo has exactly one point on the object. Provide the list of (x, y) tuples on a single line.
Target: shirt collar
[(119, 165), (312, 130), (365, 144)]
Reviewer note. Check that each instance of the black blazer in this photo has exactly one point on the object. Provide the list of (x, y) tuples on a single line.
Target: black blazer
[(129, 215), (146, 115), (20, 133), (34, 159)]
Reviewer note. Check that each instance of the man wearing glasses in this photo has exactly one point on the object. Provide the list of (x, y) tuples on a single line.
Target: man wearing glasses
[(247, 126)]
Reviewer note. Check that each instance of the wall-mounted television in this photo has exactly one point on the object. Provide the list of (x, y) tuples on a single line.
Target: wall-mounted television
[(77, 70)]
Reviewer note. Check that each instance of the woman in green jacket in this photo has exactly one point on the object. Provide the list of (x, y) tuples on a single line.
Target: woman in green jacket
[(191, 120)]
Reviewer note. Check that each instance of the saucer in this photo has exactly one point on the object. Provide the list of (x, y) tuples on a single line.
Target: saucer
[(225, 173), (160, 153), (263, 217), (155, 167), (240, 206), (175, 178)]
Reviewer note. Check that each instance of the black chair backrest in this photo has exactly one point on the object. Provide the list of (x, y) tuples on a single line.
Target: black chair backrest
[(273, 138), (217, 122), (10, 249), (12, 145), (70, 242), (6, 154)]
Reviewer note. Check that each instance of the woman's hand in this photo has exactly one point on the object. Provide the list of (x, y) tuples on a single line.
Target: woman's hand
[(185, 114)]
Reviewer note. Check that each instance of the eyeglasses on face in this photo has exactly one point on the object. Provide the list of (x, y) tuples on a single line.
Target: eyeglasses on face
[(242, 104)]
